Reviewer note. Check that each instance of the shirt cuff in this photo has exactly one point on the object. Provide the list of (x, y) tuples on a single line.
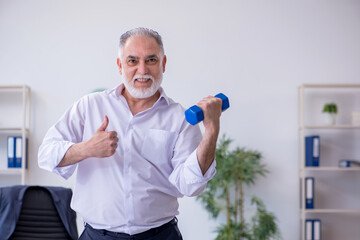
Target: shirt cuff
[(66, 171), (194, 173)]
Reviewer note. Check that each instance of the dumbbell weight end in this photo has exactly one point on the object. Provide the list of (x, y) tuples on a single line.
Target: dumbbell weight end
[(195, 115)]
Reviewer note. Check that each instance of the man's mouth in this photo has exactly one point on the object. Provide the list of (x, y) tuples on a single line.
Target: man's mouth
[(142, 79)]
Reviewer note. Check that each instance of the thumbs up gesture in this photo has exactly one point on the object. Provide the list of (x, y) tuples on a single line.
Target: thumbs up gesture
[(103, 143)]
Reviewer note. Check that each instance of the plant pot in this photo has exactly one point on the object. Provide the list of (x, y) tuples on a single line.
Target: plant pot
[(329, 118)]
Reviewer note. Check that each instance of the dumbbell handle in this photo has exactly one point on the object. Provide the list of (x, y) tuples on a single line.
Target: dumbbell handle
[(195, 115)]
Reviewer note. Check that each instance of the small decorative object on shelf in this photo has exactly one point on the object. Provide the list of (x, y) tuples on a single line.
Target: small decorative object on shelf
[(330, 111)]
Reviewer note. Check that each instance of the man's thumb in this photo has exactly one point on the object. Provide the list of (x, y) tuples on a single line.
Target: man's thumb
[(104, 124)]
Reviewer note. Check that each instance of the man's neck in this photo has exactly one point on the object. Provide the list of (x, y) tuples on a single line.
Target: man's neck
[(138, 105)]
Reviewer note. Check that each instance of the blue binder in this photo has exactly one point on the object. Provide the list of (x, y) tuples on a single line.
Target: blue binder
[(312, 151), (19, 155), (312, 229), (317, 229), (309, 192), (309, 230), (11, 152)]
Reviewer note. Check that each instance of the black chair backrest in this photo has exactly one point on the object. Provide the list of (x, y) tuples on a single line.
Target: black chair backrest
[(39, 218)]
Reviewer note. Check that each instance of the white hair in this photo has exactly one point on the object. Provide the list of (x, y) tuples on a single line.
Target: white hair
[(141, 31)]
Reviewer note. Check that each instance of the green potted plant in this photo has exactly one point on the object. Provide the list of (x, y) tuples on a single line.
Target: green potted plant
[(330, 111), (225, 194)]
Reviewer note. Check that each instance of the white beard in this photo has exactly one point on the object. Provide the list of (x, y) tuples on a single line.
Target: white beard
[(143, 93)]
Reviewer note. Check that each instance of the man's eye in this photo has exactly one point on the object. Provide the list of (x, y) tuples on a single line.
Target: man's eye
[(131, 61), (152, 60)]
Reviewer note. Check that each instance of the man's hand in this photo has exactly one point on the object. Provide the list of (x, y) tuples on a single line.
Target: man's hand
[(211, 106), (103, 143)]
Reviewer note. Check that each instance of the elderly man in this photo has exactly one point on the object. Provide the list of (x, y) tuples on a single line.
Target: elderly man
[(134, 152)]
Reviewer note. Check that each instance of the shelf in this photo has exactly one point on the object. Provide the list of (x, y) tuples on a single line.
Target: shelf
[(18, 98), (330, 127), (311, 98), (13, 129), (11, 171), (328, 169), (330, 86), (15, 87), (355, 211)]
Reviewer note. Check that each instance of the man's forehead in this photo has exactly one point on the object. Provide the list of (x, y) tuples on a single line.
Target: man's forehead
[(137, 57), (141, 47), (141, 42)]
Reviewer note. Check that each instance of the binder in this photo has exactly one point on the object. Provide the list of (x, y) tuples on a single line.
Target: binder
[(312, 151), (11, 152), (349, 163), (309, 229), (344, 163), (312, 229), (19, 155), (309, 193), (317, 229)]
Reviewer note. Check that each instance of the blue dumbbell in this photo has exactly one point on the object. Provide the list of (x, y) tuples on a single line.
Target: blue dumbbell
[(195, 115)]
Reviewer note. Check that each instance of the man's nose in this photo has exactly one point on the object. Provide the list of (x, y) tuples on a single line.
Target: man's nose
[(142, 68)]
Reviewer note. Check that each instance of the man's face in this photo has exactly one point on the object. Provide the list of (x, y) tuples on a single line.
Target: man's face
[(142, 64)]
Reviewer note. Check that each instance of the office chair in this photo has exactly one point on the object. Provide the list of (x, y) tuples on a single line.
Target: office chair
[(39, 218)]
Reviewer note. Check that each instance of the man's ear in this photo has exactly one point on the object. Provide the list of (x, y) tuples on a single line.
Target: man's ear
[(119, 65), (164, 63)]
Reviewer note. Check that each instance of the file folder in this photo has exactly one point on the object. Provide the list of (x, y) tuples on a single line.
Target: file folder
[(317, 229), (11, 152), (349, 163), (312, 229), (344, 163), (309, 192), (312, 151), (19, 155), (309, 229)]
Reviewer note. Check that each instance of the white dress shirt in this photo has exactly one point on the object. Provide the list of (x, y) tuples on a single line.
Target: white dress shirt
[(154, 164)]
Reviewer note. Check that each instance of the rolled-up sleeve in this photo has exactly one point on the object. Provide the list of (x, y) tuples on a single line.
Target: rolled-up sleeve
[(193, 173), (187, 175), (59, 138)]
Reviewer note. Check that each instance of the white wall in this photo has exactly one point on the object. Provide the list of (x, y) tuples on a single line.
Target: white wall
[(257, 52)]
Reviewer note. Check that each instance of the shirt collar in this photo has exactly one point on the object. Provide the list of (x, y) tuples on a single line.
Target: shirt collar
[(118, 90)]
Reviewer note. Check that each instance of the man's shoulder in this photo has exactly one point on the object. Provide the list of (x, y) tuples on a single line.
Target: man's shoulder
[(174, 106), (98, 96)]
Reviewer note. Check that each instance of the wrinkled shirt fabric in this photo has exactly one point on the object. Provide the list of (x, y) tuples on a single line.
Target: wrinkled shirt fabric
[(155, 163)]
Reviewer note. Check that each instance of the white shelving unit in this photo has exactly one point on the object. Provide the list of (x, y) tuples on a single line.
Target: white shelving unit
[(15, 102), (309, 115)]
